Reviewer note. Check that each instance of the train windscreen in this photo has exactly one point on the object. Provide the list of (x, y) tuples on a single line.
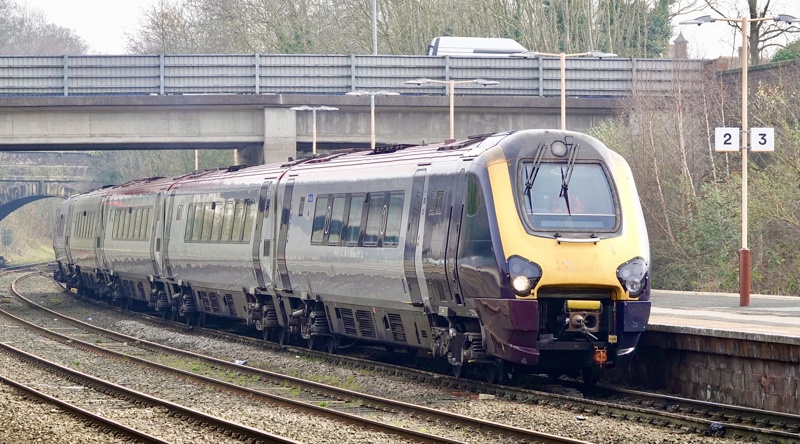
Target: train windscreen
[(561, 198)]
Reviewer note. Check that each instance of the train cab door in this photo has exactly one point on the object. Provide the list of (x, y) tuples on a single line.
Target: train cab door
[(169, 214), (263, 260), (68, 233), (157, 235), (99, 257), (411, 265), (286, 212), (456, 213)]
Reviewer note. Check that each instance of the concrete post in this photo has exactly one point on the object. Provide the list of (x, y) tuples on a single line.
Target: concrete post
[(280, 137)]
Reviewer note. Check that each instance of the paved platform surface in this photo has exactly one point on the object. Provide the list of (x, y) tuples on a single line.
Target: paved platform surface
[(767, 318)]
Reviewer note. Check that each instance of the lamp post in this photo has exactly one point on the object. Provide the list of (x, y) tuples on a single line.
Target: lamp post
[(563, 65), (314, 110), (452, 84), (744, 253), (372, 95)]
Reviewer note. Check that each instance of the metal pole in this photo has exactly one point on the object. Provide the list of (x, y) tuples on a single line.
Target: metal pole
[(372, 120), (744, 253), (563, 91), (374, 27), (313, 132), (452, 106)]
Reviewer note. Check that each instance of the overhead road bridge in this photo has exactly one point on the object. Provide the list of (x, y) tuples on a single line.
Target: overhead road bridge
[(243, 101)]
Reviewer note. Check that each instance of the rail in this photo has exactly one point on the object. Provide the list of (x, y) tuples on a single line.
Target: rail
[(103, 75)]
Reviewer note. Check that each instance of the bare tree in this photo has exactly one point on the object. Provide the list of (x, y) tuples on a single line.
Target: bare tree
[(26, 31), (763, 34)]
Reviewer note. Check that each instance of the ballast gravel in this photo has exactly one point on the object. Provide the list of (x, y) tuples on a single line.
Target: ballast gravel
[(24, 420)]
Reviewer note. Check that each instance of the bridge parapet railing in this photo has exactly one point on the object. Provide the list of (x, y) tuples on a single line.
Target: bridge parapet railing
[(92, 75)]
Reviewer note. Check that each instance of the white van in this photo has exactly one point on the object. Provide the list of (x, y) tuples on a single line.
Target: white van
[(474, 47)]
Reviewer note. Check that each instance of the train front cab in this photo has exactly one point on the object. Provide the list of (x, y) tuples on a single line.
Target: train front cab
[(576, 255)]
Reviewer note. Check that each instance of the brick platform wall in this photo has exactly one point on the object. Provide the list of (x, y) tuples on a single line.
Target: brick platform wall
[(756, 371)]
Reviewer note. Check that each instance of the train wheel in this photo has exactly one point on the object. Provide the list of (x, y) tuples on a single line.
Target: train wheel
[(331, 344), (494, 372), (282, 335), (312, 343), (590, 376), (458, 370)]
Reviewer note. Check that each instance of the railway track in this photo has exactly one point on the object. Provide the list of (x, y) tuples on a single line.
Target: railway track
[(339, 404), (689, 416), (79, 393)]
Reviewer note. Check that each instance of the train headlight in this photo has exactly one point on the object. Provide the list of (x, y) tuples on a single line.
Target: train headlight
[(633, 275), (524, 275), (521, 284)]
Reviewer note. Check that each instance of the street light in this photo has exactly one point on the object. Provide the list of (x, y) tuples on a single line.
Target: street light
[(744, 253), (452, 84), (372, 95), (563, 64), (314, 110)]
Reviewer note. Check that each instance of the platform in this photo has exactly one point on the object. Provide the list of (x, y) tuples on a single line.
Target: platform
[(767, 318)]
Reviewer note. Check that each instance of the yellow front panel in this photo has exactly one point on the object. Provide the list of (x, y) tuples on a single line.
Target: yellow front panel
[(582, 265)]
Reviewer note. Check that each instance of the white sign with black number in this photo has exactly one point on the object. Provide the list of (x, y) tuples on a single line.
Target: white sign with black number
[(726, 139), (762, 139)]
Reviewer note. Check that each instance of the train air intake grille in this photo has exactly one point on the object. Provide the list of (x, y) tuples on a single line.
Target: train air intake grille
[(365, 324), (396, 325)]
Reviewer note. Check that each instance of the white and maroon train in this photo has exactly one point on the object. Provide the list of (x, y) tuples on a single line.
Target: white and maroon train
[(524, 250)]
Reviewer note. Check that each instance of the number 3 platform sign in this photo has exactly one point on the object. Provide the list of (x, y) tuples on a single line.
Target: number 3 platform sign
[(727, 139)]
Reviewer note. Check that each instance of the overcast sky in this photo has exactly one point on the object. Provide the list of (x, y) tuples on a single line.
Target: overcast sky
[(102, 23)]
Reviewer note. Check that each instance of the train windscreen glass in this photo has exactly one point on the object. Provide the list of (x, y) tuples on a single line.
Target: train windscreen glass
[(559, 198)]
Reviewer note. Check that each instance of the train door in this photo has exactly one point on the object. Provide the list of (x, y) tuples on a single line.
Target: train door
[(156, 235), (410, 253), (440, 191), (99, 232), (286, 210), (68, 233), (169, 208), (262, 251), (453, 235)]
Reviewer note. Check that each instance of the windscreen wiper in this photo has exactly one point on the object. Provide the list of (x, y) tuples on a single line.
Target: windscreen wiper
[(537, 160), (566, 176)]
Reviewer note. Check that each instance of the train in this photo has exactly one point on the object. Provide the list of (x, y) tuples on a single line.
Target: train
[(509, 253)]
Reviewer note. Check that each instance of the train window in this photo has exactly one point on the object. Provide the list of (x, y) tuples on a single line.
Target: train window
[(208, 221), (227, 221), (393, 219), (115, 225), (353, 228), (587, 204), (197, 227), (216, 228), (473, 196), (321, 212), (136, 231), (375, 220), (302, 206), (126, 225), (189, 223), (146, 223), (179, 212), (435, 202), (336, 221), (145, 213), (250, 214), (238, 221)]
